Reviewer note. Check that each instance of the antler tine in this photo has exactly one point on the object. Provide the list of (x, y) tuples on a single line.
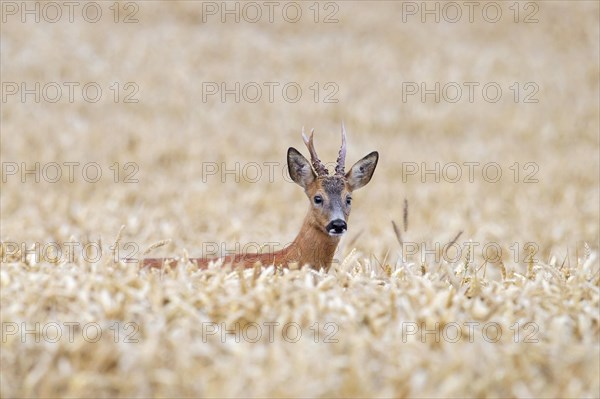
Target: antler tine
[(316, 162), (341, 161)]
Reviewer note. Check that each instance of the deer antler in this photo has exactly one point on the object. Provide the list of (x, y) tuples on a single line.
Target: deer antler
[(341, 161), (316, 162)]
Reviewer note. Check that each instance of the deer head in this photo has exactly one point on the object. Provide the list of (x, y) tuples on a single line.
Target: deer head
[(330, 196)]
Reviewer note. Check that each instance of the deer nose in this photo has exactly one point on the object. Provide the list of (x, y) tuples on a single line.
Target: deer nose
[(337, 226)]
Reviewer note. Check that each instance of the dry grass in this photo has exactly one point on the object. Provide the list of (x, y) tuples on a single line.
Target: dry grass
[(383, 284)]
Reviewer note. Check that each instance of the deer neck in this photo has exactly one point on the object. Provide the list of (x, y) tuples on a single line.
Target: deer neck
[(312, 245)]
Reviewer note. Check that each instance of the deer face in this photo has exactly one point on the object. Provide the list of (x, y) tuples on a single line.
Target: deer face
[(330, 196)]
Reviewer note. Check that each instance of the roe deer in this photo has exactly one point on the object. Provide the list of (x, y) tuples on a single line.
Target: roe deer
[(330, 199)]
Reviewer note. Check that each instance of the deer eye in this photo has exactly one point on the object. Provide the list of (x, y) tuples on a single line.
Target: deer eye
[(348, 200), (318, 199)]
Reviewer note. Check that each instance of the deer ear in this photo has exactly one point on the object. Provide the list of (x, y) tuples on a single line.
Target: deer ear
[(362, 171), (300, 170)]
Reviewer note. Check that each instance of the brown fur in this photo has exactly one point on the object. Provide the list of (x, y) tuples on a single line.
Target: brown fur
[(311, 246)]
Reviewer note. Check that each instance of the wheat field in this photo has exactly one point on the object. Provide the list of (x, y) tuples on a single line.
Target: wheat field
[(156, 128)]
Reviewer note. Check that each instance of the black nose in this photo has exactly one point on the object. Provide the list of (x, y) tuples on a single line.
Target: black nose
[(337, 226)]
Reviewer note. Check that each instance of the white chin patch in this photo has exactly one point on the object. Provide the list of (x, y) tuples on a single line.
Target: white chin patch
[(334, 234)]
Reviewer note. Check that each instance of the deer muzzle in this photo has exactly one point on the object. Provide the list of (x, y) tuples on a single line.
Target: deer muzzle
[(337, 227)]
